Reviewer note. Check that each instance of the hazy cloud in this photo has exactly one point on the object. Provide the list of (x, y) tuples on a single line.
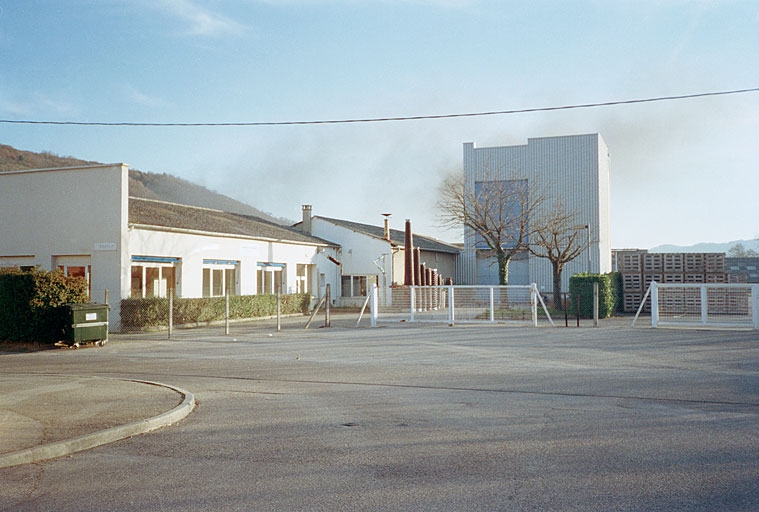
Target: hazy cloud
[(200, 20), (140, 98)]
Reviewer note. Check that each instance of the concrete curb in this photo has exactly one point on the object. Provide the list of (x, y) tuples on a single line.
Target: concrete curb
[(78, 444)]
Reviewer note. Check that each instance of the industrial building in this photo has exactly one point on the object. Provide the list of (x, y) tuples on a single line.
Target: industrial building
[(572, 169)]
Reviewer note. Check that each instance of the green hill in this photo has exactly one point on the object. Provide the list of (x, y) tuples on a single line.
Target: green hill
[(148, 185)]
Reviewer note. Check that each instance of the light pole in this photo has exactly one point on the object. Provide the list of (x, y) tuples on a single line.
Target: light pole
[(587, 248)]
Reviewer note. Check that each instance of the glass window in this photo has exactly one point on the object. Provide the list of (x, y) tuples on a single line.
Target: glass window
[(152, 281), (219, 280), (270, 280)]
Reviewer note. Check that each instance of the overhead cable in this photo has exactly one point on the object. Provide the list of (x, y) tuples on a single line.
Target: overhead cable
[(387, 119)]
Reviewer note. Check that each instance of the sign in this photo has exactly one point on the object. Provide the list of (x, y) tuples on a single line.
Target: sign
[(106, 246)]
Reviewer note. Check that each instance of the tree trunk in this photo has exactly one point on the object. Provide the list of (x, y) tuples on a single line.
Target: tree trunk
[(503, 267), (557, 285)]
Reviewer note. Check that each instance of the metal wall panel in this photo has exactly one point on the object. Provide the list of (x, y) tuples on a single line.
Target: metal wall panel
[(573, 169)]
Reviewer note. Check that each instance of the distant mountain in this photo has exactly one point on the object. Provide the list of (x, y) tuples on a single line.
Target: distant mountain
[(707, 246), (148, 185)]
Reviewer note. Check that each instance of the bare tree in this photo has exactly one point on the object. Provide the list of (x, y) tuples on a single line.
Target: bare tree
[(498, 210), (557, 237)]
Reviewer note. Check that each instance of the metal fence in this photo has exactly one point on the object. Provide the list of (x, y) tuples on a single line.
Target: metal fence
[(458, 304), (718, 305)]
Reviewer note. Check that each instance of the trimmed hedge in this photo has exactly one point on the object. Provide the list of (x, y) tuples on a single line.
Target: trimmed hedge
[(31, 303), (137, 314), (608, 293)]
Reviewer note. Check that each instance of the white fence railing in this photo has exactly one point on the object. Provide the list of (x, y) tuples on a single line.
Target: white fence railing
[(718, 305), (458, 304)]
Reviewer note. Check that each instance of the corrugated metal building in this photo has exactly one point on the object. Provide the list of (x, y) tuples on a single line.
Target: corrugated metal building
[(574, 169)]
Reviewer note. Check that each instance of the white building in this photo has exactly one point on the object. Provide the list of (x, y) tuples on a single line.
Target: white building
[(574, 169), (375, 254), (82, 220)]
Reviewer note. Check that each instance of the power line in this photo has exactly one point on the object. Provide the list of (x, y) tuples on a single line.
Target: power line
[(387, 119)]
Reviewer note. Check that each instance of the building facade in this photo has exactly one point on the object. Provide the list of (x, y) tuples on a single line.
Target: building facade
[(82, 220), (375, 254), (574, 170)]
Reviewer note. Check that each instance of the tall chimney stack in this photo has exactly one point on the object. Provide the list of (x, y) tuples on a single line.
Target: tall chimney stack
[(408, 250), (306, 225)]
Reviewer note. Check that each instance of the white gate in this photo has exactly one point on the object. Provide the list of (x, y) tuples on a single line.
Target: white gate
[(718, 305), (457, 304)]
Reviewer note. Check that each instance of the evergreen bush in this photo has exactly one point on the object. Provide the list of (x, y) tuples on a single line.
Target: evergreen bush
[(31, 303), (608, 293), (137, 314)]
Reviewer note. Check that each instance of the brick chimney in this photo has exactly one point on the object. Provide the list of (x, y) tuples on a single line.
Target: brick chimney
[(306, 225)]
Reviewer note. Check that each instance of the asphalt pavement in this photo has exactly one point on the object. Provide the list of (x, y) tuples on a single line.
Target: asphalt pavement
[(398, 417)]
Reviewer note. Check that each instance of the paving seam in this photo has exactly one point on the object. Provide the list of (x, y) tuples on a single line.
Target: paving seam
[(86, 442)]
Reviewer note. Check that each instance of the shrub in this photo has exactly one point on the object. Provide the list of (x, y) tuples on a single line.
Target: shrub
[(138, 314), (608, 293), (31, 303)]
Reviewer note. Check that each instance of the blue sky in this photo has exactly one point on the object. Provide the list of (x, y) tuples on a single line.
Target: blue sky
[(683, 172)]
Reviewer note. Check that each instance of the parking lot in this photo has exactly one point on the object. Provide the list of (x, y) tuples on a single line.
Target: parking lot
[(418, 417)]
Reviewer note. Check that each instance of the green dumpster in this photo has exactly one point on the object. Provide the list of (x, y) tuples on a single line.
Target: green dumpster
[(86, 323)]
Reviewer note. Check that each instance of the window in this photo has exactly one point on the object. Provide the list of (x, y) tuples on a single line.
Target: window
[(303, 277), (354, 286), (219, 278), (75, 266), (271, 278), (153, 276)]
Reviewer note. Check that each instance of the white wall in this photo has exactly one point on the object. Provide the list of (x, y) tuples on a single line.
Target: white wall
[(76, 211), (194, 248)]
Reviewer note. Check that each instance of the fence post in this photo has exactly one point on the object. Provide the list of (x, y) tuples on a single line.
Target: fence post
[(226, 313), (171, 312), (595, 304), (755, 305), (451, 306), (412, 300), (279, 311), (534, 304), (654, 304), (328, 295), (704, 304), (492, 306), (373, 304)]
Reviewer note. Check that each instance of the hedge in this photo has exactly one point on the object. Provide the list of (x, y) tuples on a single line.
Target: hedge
[(608, 293), (137, 314), (31, 303)]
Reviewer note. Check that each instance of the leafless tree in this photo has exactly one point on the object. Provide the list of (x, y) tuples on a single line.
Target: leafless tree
[(557, 237), (497, 209)]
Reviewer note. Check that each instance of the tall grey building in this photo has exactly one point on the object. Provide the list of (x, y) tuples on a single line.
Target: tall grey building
[(573, 169)]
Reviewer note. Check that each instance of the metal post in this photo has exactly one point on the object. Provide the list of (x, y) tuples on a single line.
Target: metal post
[(704, 305), (534, 304), (326, 307), (451, 307), (412, 296), (654, 304), (492, 306), (577, 308), (373, 304), (279, 311), (755, 304), (226, 313), (595, 304), (171, 312)]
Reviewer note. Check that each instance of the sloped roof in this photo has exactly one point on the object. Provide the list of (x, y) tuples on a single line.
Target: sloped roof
[(397, 237), (160, 214)]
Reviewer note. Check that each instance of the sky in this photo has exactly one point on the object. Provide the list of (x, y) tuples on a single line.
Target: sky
[(682, 171)]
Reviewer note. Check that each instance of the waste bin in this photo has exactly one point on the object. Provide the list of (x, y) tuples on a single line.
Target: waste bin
[(86, 323)]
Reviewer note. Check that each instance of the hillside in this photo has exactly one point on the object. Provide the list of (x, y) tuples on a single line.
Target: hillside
[(148, 185)]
